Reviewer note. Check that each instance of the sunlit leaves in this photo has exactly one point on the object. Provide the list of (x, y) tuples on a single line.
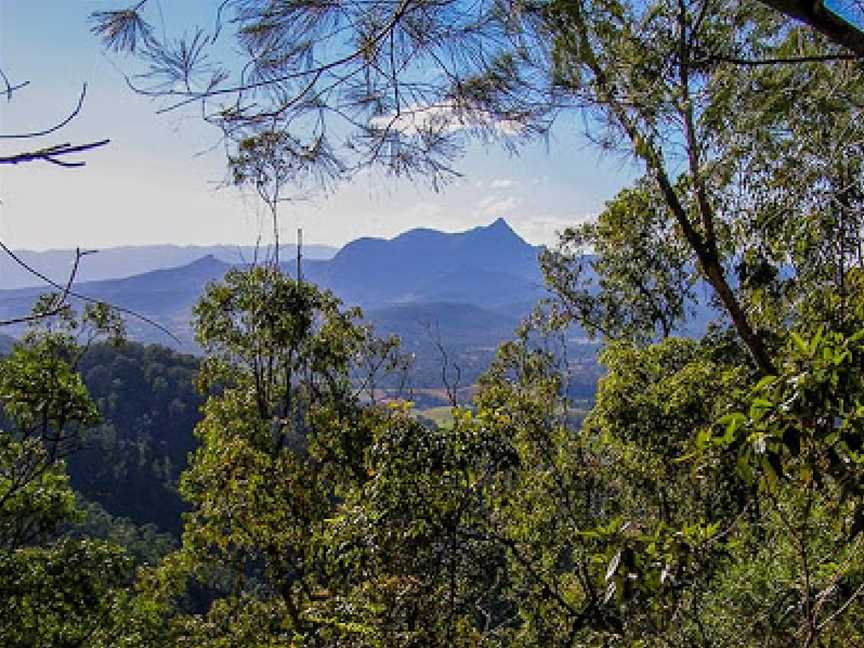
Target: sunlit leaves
[(54, 591)]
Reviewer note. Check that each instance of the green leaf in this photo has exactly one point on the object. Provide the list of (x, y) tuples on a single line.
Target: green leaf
[(800, 344)]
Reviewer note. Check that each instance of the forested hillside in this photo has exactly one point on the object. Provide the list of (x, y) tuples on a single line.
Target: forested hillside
[(131, 462)]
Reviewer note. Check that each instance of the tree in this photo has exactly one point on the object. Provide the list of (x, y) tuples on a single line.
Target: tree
[(283, 439), (270, 160), (765, 207), (638, 281), (55, 590)]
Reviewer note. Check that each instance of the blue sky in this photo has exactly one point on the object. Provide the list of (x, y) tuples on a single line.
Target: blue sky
[(157, 180)]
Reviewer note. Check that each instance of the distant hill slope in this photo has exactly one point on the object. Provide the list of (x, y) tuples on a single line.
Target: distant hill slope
[(165, 296), (6, 343), (467, 334), (114, 263), (466, 290)]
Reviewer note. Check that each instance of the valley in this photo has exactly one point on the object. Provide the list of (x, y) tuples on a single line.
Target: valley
[(455, 295)]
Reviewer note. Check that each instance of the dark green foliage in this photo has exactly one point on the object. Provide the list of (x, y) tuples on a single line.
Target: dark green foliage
[(131, 462), (54, 590), (61, 594), (144, 544)]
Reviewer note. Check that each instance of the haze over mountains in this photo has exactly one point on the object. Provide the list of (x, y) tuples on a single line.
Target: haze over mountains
[(113, 263), (488, 266), (467, 291)]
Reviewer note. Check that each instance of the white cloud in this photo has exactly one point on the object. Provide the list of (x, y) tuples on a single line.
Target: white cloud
[(495, 207), (446, 117), (543, 228), (501, 183)]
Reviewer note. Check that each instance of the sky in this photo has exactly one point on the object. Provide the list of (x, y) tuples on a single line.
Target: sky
[(158, 181)]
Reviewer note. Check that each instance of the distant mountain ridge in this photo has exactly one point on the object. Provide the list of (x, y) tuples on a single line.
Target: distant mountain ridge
[(460, 283), (119, 262), (489, 266)]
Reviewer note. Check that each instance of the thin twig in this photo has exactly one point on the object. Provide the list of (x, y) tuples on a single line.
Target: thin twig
[(795, 60), (84, 298), (52, 153), (72, 115)]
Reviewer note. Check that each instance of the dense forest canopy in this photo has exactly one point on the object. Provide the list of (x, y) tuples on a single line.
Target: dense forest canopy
[(131, 462), (713, 495)]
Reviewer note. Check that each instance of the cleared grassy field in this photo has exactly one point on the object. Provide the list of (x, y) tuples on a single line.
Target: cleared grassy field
[(442, 416)]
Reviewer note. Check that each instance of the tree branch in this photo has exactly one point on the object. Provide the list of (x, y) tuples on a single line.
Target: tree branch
[(53, 154), (794, 60), (823, 20), (72, 115)]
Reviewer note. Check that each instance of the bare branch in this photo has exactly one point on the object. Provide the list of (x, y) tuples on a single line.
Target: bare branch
[(66, 289), (56, 126), (451, 387), (9, 88), (53, 153)]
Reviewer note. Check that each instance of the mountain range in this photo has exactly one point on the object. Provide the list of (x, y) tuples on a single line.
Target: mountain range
[(463, 292), (486, 266), (112, 263)]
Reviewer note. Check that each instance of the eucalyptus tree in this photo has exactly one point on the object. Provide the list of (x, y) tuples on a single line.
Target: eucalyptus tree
[(766, 207), (283, 440)]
